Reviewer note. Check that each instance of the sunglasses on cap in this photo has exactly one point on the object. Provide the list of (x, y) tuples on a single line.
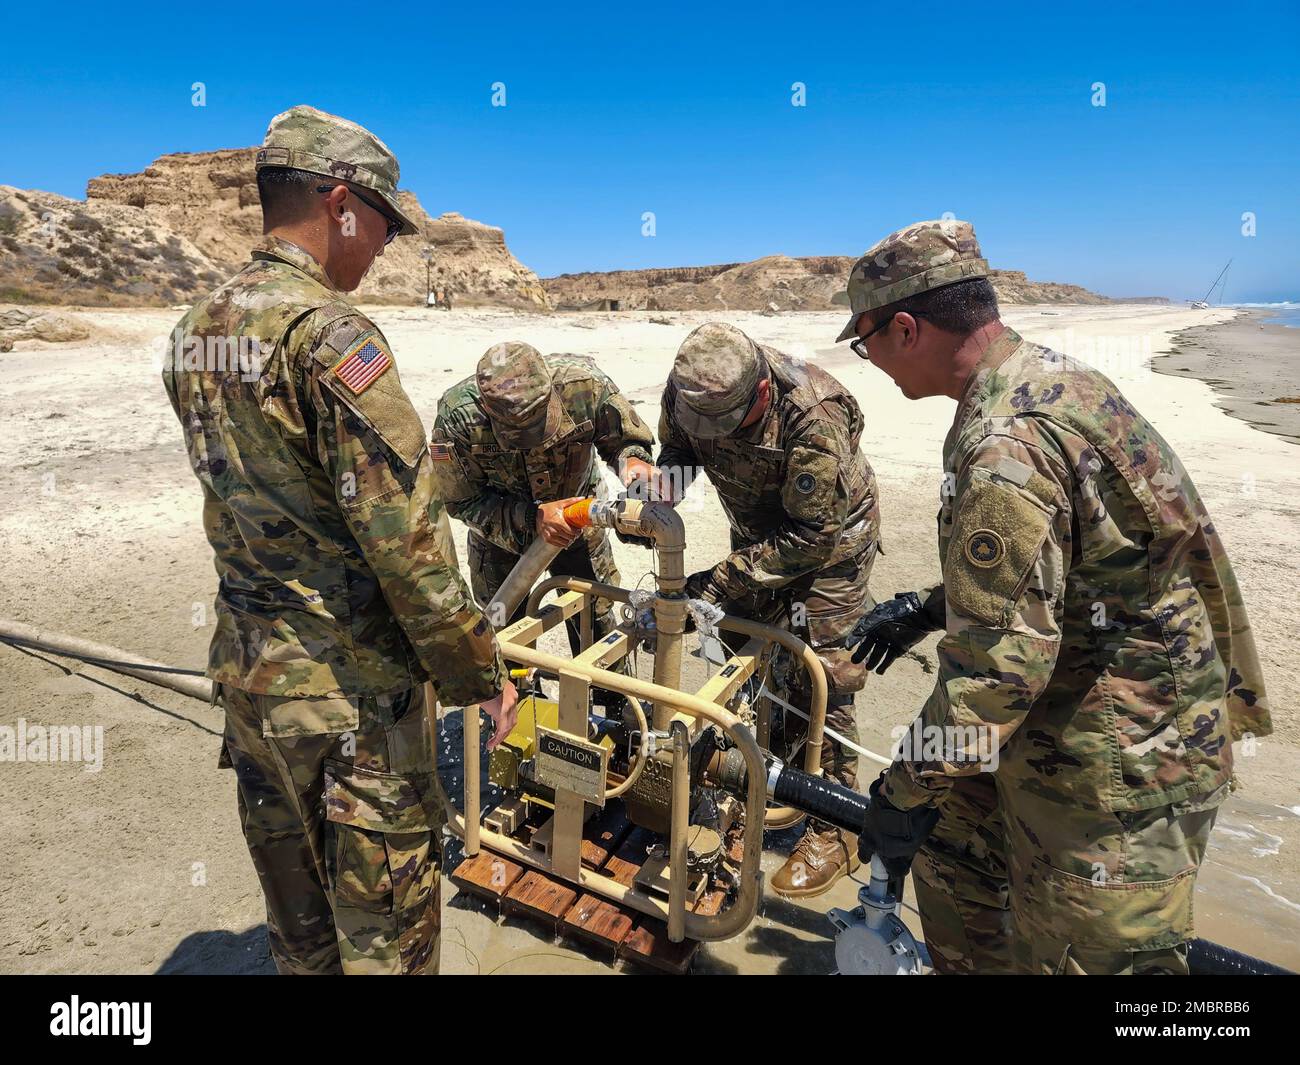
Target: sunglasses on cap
[(394, 226)]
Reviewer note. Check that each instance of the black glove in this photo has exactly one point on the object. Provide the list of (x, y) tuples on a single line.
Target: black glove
[(701, 586), (892, 834), (632, 538), (890, 629)]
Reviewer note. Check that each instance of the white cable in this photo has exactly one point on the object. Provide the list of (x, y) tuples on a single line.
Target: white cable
[(765, 690)]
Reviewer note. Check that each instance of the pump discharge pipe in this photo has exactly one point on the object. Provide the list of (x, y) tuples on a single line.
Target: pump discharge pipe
[(662, 525)]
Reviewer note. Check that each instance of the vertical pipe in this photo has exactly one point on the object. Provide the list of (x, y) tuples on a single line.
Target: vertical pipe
[(470, 728), (664, 526), (680, 813), (670, 625)]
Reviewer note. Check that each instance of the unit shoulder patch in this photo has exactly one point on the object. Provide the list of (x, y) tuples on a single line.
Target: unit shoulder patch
[(985, 548), (998, 532), (811, 481)]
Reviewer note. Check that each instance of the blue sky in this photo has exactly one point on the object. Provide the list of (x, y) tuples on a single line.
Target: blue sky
[(685, 111)]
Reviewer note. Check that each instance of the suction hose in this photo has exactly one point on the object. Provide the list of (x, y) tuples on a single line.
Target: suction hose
[(823, 798), (819, 796), (1212, 959), (531, 565), (189, 682)]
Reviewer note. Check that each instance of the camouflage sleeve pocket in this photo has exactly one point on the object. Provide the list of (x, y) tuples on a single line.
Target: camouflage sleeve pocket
[(379, 401), (997, 535), (810, 484)]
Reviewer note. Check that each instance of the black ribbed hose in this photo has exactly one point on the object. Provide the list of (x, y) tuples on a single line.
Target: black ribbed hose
[(1212, 959), (822, 798)]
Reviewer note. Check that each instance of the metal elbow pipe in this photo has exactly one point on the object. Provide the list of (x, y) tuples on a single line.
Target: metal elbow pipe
[(664, 526), (660, 522)]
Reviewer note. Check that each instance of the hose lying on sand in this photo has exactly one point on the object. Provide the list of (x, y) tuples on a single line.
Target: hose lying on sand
[(188, 682)]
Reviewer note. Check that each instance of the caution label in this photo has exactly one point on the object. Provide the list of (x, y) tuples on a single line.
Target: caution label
[(567, 762)]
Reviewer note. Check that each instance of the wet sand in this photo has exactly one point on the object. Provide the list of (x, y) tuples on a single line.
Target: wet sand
[(1253, 367)]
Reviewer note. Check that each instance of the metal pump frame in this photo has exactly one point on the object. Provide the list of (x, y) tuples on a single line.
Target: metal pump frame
[(681, 714)]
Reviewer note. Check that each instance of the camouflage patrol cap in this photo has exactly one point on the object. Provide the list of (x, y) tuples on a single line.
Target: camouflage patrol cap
[(716, 372), (924, 256), (320, 143), (517, 392)]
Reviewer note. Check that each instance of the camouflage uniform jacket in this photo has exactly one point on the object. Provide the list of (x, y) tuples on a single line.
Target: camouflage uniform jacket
[(1094, 622), (495, 489), (338, 576), (796, 488)]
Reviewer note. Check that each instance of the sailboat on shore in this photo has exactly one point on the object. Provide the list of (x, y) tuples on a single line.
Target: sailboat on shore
[(1204, 304)]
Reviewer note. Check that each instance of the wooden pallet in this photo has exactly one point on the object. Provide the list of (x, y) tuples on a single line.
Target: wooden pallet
[(617, 850), (541, 898), (600, 922)]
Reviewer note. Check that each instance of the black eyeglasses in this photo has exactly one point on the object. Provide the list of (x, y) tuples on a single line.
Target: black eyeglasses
[(859, 345), (394, 226)]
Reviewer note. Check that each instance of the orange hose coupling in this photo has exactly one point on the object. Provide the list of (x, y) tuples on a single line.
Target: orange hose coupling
[(578, 514)]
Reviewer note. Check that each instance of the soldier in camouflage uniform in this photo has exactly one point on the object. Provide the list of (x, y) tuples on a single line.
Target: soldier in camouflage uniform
[(339, 594), (779, 441), (516, 442), (1094, 635)]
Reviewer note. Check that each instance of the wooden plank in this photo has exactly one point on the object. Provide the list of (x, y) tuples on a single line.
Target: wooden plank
[(626, 862), (603, 835), (598, 921), (488, 875), (648, 944), (710, 903), (538, 896)]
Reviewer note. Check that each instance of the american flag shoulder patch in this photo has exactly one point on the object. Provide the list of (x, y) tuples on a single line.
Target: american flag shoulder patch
[(441, 452), (363, 363)]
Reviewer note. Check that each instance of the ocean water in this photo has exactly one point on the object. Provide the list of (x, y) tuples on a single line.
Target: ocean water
[(1287, 313)]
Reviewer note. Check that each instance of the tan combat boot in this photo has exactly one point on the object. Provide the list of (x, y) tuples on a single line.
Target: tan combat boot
[(819, 859)]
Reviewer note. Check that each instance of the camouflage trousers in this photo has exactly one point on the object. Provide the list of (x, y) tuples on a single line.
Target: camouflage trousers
[(1017, 882), (590, 556), (962, 889), (822, 608), (343, 828)]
